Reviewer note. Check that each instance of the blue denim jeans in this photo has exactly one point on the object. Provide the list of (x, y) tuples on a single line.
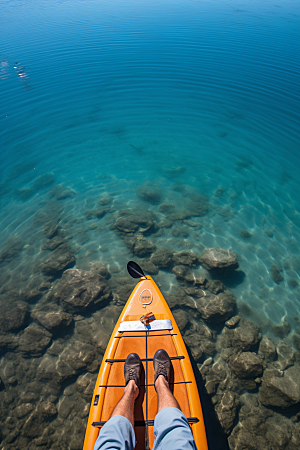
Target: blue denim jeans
[(171, 431)]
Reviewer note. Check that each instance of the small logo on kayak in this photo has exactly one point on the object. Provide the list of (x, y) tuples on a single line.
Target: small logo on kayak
[(145, 297)]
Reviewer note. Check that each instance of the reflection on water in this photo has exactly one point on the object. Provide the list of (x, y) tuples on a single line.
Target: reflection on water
[(154, 142)]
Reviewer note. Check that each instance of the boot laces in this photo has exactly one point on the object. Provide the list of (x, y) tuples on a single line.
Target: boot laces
[(132, 374), (162, 369)]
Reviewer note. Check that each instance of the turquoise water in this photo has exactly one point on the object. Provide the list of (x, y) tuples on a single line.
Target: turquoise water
[(108, 95), (192, 98)]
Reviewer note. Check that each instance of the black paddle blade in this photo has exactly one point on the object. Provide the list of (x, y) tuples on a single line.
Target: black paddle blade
[(134, 270)]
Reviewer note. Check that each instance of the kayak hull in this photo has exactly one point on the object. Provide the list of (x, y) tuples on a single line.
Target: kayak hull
[(129, 336)]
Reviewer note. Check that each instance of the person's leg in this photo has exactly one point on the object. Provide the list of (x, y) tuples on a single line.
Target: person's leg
[(125, 407), (118, 432), (164, 394), (171, 428)]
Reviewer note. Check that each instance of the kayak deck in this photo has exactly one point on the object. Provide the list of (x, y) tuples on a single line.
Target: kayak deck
[(145, 344), (145, 341)]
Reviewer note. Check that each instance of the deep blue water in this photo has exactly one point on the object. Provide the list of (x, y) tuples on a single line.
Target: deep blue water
[(106, 95)]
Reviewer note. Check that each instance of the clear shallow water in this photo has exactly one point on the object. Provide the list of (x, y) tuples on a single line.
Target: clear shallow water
[(194, 97), (108, 95)]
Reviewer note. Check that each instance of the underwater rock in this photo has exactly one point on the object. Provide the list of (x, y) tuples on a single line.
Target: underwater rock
[(215, 286), (194, 291), (94, 213), (60, 192), (25, 193), (35, 424), (226, 410), (246, 365), (186, 258), (52, 244), (43, 181), (13, 316), (293, 283), (218, 260), (143, 247), (245, 234), (197, 205), (286, 357), (181, 318), (100, 269), (214, 375), (259, 428), (296, 341), (35, 289), (267, 350), (85, 385), (244, 337), (232, 323), (166, 208), (122, 294), (130, 221), (92, 331), (12, 248), (61, 259), (280, 389), (276, 274), (126, 225), (148, 266), (180, 232), (52, 321), (8, 341), (220, 191), (149, 192), (79, 291), (226, 213), (78, 356), (48, 214), (162, 258), (105, 200), (216, 308), (34, 340), (51, 229), (282, 330), (23, 410), (183, 274), (199, 338)]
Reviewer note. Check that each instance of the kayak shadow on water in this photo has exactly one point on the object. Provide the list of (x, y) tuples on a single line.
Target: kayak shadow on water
[(216, 439)]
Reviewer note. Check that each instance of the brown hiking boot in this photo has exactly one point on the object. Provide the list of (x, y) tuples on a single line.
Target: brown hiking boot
[(161, 364), (132, 369)]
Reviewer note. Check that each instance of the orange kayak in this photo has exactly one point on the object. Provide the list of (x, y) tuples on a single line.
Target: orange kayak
[(132, 335)]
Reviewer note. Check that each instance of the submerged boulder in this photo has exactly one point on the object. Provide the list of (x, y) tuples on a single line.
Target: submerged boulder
[(35, 424), (143, 247), (226, 410), (247, 365), (34, 340), (13, 315), (162, 258), (61, 259), (244, 337), (79, 290), (186, 258), (218, 260), (183, 274), (280, 389), (149, 192), (216, 308), (52, 321)]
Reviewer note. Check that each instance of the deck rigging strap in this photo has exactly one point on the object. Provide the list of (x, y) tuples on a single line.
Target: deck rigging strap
[(142, 359), (141, 385), (142, 423)]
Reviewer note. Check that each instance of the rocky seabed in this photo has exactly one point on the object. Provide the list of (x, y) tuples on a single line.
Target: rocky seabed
[(55, 322)]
